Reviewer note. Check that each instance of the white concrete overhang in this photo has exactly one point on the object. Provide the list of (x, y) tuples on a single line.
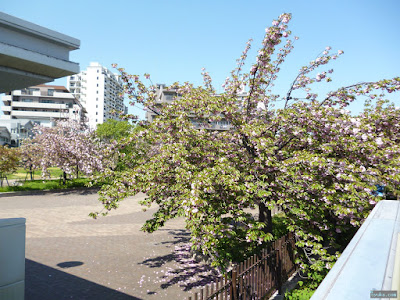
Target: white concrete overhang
[(31, 54), (370, 262)]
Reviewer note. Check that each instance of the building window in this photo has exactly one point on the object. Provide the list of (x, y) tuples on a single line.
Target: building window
[(97, 113), (50, 92), (29, 91), (169, 97), (46, 101), (27, 100)]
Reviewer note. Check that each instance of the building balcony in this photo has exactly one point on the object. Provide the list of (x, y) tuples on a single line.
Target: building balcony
[(38, 114), (6, 108), (38, 105), (6, 101), (62, 95), (75, 90), (76, 79), (210, 126)]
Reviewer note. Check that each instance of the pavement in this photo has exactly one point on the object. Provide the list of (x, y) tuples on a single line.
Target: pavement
[(72, 256)]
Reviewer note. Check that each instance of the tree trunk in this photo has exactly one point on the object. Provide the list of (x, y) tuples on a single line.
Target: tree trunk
[(64, 178), (77, 171), (265, 216)]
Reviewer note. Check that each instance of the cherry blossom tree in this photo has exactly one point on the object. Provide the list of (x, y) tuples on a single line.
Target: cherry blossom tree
[(31, 156), (70, 145), (308, 157), (9, 160)]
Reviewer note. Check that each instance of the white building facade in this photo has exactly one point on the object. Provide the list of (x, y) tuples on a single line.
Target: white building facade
[(100, 92), (5, 136), (41, 104)]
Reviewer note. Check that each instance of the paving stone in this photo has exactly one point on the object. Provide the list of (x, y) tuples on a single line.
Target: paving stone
[(71, 256)]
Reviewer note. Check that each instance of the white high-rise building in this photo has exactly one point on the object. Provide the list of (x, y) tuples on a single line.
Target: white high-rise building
[(99, 90)]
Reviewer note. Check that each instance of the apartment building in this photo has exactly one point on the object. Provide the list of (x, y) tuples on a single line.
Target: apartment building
[(41, 104), (5, 136), (99, 90), (165, 95)]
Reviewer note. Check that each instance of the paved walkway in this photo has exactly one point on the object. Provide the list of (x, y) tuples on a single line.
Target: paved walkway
[(71, 256)]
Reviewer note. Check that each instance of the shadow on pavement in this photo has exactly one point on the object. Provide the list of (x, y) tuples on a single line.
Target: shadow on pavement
[(187, 272), (69, 264), (78, 191), (179, 236), (46, 283), (59, 192)]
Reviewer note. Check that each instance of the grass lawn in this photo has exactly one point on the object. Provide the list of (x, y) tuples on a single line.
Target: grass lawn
[(21, 174), (31, 185)]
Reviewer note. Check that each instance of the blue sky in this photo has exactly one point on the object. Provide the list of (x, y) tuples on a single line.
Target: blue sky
[(172, 40)]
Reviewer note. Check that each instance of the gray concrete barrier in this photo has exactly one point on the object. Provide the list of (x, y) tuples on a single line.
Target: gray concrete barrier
[(12, 259), (366, 267)]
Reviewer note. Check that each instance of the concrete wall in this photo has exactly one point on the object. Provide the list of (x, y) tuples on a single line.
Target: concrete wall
[(12, 259), (31, 54)]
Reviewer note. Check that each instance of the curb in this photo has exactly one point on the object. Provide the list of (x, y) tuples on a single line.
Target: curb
[(43, 192)]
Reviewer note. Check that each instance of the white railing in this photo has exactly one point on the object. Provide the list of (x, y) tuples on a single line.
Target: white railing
[(37, 114), (6, 108), (34, 105)]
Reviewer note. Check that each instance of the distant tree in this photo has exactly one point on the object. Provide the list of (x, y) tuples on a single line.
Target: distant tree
[(123, 155), (69, 145), (113, 130), (31, 156), (9, 160)]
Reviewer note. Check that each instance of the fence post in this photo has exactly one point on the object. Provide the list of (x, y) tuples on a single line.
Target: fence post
[(234, 283), (278, 249)]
